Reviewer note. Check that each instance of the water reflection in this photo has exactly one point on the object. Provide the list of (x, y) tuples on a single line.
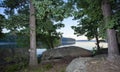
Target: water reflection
[(84, 44), (87, 44), (40, 51)]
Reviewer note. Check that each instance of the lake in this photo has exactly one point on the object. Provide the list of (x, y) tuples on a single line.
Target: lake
[(81, 43), (89, 45)]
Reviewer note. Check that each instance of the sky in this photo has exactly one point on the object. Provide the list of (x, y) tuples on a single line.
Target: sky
[(67, 30)]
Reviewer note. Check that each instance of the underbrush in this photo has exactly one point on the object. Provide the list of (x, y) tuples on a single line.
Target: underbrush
[(14, 64), (45, 68)]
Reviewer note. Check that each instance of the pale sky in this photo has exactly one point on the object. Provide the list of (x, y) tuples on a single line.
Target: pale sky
[(67, 31)]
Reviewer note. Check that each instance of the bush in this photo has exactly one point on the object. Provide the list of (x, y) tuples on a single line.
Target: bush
[(15, 63)]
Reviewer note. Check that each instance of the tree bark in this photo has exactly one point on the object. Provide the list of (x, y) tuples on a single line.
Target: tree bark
[(33, 57), (111, 33), (112, 43), (97, 43)]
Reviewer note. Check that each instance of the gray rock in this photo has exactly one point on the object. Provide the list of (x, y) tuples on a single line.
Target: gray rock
[(103, 65), (78, 65), (60, 53), (100, 64), (101, 56)]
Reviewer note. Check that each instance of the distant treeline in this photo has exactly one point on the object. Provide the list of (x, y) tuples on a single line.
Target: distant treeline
[(8, 38), (67, 41), (22, 41)]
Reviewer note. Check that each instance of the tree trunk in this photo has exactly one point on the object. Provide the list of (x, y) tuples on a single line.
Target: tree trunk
[(97, 43), (33, 57), (111, 33), (112, 43), (51, 42)]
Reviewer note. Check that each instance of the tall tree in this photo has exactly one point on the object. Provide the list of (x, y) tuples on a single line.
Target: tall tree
[(88, 28), (47, 13), (44, 8), (94, 9), (111, 33), (33, 57), (15, 21), (90, 17), (49, 37)]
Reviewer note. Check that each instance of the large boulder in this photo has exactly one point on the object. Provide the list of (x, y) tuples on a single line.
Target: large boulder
[(95, 64), (71, 51), (78, 65)]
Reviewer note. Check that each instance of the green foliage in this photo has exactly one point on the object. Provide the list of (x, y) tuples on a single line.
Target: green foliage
[(92, 10), (16, 22), (23, 41), (16, 63), (47, 33), (48, 66), (55, 9), (111, 24), (50, 37), (42, 68), (11, 5), (45, 68), (114, 22), (87, 27), (63, 70), (94, 50), (2, 20), (88, 8), (89, 14), (47, 12)]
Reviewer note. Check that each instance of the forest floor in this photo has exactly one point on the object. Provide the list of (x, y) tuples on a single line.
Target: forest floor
[(99, 65), (58, 65), (53, 66)]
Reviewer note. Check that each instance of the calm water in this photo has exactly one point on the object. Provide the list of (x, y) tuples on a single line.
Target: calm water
[(84, 44), (89, 45)]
